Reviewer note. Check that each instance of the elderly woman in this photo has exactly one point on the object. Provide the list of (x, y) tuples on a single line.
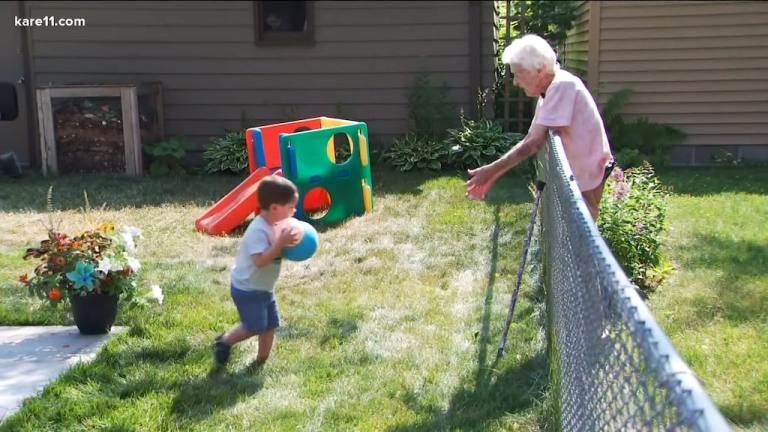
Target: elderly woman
[(565, 106)]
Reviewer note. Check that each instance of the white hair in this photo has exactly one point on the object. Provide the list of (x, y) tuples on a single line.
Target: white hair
[(531, 52)]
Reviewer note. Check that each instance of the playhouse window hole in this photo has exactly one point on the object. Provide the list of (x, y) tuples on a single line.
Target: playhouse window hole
[(317, 203), (340, 146)]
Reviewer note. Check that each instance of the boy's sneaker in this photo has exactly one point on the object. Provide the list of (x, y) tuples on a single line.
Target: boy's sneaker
[(221, 350)]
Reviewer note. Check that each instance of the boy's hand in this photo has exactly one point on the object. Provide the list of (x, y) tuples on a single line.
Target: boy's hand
[(295, 236), (288, 236)]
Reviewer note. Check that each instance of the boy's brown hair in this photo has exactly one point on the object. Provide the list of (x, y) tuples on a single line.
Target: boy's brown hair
[(275, 190)]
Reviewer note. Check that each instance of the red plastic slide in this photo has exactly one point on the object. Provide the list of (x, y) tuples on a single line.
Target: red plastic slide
[(234, 208)]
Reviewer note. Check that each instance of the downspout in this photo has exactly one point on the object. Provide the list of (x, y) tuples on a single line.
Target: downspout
[(475, 27), (29, 85)]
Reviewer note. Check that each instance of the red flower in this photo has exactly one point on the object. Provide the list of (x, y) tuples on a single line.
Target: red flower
[(24, 278), (61, 239), (54, 294)]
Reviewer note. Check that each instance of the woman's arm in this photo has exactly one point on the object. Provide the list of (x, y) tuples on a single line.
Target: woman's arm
[(484, 177)]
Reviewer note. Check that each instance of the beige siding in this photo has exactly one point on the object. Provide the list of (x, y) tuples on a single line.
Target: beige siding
[(701, 66), (576, 52), (365, 56)]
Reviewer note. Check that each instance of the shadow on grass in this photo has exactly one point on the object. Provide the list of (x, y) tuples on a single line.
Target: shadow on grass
[(198, 398), (714, 180), (736, 295), (123, 375), (498, 389), (113, 192), (739, 261), (388, 181), (195, 397), (509, 189)]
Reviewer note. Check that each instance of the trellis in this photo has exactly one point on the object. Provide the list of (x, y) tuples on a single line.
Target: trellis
[(514, 100)]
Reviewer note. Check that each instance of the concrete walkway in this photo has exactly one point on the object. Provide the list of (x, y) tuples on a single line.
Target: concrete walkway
[(31, 357)]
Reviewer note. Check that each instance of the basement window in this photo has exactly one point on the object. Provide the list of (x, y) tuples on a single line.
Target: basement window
[(284, 22)]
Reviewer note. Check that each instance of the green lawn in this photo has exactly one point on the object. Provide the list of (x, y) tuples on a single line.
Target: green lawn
[(393, 325), (714, 307)]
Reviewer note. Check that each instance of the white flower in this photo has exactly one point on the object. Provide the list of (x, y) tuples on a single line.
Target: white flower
[(130, 246), (128, 233), (105, 265), (156, 294), (133, 263), (132, 231), (456, 147)]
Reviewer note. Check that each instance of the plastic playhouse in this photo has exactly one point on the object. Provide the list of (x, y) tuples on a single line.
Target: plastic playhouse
[(326, 158)]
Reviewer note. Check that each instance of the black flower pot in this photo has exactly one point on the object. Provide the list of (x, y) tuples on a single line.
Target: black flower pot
[(94, 313)]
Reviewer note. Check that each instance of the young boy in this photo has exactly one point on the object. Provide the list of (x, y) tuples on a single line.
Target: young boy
[(257, 266)]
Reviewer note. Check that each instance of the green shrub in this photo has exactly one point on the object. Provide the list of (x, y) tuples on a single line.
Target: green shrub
[(414, 152), (639, 140), (478, 142), (227, 153), (429, 115), (429, 111), (632, 219), (167, 156)]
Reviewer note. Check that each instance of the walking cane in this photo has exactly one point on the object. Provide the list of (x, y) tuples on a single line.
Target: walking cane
[(503, 344)]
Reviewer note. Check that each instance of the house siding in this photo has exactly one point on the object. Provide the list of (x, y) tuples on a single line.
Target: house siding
[(576, 52), (696, 65), (365, 56), (700, 66)]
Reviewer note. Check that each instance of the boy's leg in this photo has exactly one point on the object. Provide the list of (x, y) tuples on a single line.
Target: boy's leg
[(237, 334), (266, 340), (252, 308), (223, 343)]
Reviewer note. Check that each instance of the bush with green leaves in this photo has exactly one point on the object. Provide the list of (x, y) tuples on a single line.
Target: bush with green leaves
[(227, 154), (429, 110), (413, 152), (632, 219), (167, 156), (478, 142), (639, 140)]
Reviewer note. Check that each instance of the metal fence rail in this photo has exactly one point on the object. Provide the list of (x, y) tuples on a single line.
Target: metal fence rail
[(613, 368)]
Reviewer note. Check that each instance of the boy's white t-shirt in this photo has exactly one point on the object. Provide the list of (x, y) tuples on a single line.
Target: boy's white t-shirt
[(258, 237), (569, 108)]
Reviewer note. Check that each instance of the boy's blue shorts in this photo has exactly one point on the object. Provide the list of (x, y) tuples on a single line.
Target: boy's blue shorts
[(258, 309)]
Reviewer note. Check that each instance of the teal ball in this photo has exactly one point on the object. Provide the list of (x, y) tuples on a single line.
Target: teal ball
[(307, 245)]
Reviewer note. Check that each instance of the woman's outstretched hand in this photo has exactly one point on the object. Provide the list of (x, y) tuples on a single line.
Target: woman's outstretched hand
[(481, 180)]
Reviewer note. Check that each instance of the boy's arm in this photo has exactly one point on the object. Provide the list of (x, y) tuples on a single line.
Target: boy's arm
[(284, 238), (269, 255)]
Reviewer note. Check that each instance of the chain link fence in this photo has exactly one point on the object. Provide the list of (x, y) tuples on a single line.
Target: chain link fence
[(613, 368)]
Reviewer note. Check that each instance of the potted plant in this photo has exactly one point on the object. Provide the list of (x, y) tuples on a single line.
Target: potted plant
[(91, 271)]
